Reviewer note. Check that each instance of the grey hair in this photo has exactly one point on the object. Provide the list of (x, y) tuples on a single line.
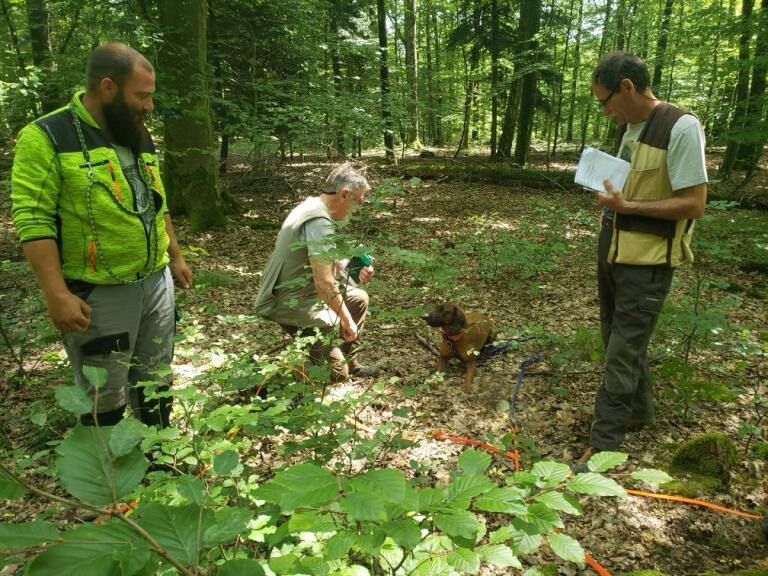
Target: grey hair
[(345, 176)]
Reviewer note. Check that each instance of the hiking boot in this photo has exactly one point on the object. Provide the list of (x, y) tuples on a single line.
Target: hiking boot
[(362, 371), (581, 465)]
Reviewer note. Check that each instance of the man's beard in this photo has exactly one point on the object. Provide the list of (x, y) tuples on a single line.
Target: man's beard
[(125, 127)]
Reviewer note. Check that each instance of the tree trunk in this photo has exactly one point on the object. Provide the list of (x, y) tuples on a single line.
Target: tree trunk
[(661, 47), (575, 74), (5, 9), (738, 121), (335, 9), (750, 151), (510, 120), (412, 74), (530, 14), (37, 19), (439, 138), (494, 73), (389, 141), (559, 108), (190, 158)]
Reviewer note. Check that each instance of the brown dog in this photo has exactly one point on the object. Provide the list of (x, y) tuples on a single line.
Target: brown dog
[(464, 335)]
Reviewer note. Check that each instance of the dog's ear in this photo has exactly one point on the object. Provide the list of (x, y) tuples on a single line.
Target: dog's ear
[(458, 319)]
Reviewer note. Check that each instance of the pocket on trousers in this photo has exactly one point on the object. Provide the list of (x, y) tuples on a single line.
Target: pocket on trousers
[(104, 345), (651, 305)]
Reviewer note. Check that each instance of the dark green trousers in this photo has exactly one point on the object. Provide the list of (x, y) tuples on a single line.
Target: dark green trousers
[(631, 298)]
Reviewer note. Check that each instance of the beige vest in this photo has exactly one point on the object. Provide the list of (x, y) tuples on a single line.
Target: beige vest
[(287, 293), (641, 240)]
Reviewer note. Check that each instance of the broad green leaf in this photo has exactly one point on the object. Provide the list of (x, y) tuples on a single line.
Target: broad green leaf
[(543, 517), (302, 485), (178, 530), (10, 489), (465, 561), (430, 498), (24, 534), (388, 485), (371, 543), (228, 524), (551, 473), (405, 532), (96, 375), (225, 462), (126, 435), (474, 462), (463, 488), (524, 542), (191, 489), (651, 476), (73, 399), (533, 572), (312, 522), (339, 544), (93, 550), (432, 567), (285, 564), (603, 461), (457, 523), (500, 535), (498, 555), (313, 565), (559, 501), (590, 483), (505, 500), (566, 547), (90, 473), (363, 507), (240, 567)]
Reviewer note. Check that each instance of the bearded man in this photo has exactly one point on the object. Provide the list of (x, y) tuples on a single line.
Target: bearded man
[(90, 211)]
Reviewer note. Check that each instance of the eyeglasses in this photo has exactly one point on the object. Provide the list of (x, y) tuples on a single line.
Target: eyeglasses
[(604, 101)]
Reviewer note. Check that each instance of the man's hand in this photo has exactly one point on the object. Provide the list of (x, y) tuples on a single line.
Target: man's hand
[(613, 199), (366, 273), (348, 331), (181, 272), (69, 313)]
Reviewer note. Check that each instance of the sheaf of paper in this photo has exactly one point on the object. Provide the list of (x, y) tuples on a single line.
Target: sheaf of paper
[(596, 166)]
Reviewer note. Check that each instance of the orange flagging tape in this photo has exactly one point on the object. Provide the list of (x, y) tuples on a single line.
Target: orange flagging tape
[(595, 565), (513, 454), (694, 502)]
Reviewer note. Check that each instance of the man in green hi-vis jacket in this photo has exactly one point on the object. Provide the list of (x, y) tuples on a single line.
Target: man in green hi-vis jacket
[(90, 211)]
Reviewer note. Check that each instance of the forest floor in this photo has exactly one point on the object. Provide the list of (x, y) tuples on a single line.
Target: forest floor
[(524, 255)]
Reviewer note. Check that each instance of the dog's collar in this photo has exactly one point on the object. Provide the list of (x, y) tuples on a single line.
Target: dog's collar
[(453, 337)]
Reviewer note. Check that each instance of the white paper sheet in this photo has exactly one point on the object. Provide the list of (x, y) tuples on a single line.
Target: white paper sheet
[(596, 166)]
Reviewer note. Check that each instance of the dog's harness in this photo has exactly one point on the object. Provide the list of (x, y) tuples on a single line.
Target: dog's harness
[(452, 339)]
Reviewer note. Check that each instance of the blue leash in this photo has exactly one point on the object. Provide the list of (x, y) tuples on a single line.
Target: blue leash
[(520, 374)]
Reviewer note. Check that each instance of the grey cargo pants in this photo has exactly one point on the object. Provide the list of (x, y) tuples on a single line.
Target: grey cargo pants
[(631, 298)]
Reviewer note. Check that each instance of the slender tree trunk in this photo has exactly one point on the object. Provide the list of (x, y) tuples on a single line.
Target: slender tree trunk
[(606, 27), (738, 122), (439, 138), (495, 48), (750, 151), (661, 46), (530, 15), (190, 158), (510, 120), (37, 18), (559, 107), (335, 8), (412, 73), (575, 71), (5, 10), (389, 141)]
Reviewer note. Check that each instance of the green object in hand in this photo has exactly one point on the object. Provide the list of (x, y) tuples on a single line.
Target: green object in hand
[(357, 263)]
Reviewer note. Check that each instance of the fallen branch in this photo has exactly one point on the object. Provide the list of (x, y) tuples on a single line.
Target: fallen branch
[(427, 344)]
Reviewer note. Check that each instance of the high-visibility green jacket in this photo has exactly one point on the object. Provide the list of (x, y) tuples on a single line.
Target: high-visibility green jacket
[(70, 187)]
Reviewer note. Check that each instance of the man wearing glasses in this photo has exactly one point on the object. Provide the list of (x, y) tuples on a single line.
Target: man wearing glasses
[(299, 289), (645, 233)]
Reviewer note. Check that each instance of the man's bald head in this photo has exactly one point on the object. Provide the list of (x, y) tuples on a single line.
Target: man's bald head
[(113, 60)]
